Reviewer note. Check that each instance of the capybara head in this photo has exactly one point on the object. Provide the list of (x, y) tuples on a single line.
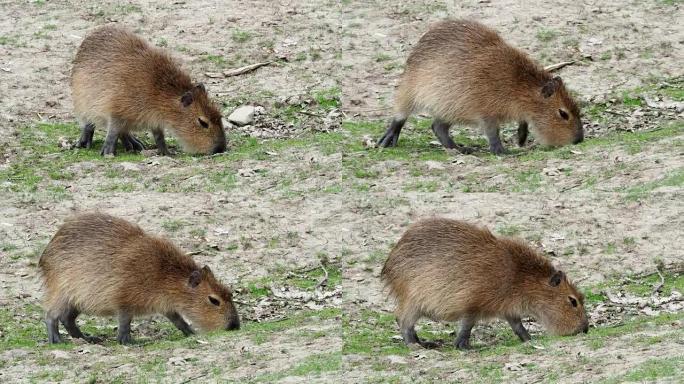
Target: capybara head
[(210, 304), (556, 121), (201, 128), (560, 306)]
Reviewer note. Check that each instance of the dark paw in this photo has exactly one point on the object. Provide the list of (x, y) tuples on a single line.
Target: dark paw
[(108, 151), (93, 339), (429, 344), (54, 339), (388, 141), (463, 344), (131, 143), (124, 339), (85, 142), (498, 149)]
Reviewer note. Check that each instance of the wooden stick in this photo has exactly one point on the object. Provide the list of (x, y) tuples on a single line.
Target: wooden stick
[(555, 67), (659, 286), (245, 69), (325, 278)]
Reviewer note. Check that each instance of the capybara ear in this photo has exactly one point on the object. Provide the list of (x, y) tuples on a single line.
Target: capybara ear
[(187, 99), (556, 279), (195, 278), (550, 87), (200, 87), (206, 271)]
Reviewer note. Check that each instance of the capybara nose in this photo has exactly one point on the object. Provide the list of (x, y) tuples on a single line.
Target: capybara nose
[(579, 137), (220, 148), (233, 324)]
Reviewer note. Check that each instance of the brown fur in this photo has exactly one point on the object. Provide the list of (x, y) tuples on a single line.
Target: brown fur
[(448, 270), (102, 265), (463, 72), (118, 77)]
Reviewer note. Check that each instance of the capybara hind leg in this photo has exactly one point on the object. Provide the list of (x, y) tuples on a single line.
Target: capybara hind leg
[(52, 323), (87, 132), (407, 318), (123, 335), (161, 143), (178, 321), (491, 129), (441, 130), (131, 143), (523, 131), (68, 319), (518, 328), (463, 338), (392, 135), (114, 128)]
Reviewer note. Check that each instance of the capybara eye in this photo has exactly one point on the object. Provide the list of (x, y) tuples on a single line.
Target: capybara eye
[(573, 301), (214, 301), (203, 123), (563, 114)]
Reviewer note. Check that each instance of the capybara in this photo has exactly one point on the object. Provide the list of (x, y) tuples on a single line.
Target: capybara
[(462, 72), (122, 83), (451, 270), (102, 265)]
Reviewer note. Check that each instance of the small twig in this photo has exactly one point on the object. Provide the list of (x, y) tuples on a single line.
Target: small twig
[(310, 114), (573, 186), (245, 69), (660, 285), (325, 278), (352, 110), (193, 253), (194, 378), (615, 113), (555, 67)]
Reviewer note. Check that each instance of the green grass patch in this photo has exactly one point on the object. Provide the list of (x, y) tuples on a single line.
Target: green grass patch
[(672, 179), (24, 328), (303, 279), (508, 230), (43, 164), (173, 225), (241, 36), (546, 35), (619, 139), (310, 366), (328, 99), (651, 370), (371, 334)]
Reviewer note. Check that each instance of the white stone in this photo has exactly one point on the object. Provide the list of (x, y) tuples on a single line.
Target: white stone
[(242, 115)]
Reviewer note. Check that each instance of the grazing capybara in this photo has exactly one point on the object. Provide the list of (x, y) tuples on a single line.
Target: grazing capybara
[(102, 265), (122, 83), (463, 72), (451, 270)]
